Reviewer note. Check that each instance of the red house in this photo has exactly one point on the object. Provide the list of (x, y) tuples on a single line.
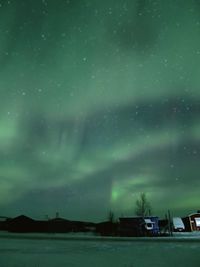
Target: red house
[(192, 222)]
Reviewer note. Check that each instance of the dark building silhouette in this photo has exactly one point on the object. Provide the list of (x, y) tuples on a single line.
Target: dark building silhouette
[(24, 224), (192, 222), (107, 228), (163, 225), (3, 223), (60, 225), (131, 226), (21, 224), (139, 226)]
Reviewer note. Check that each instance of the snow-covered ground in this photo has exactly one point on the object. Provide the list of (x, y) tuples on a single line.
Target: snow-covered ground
[(61, 251)]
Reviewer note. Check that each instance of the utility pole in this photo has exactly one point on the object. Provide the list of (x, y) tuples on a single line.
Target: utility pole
[(169, 223)]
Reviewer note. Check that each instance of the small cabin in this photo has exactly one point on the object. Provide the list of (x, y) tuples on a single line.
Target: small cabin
[(192, 222)]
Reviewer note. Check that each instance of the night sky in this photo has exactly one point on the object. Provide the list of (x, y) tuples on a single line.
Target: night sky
[(99, 101)]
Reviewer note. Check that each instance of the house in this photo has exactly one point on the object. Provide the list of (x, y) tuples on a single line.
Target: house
[(20, 224), (79, 226), (89, 227), (107, 228), (60, 225), (24, 224), (138, 226), (192, 222), (131, 226)]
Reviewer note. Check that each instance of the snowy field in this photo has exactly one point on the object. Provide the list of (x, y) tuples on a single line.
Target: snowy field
[(62, 250)]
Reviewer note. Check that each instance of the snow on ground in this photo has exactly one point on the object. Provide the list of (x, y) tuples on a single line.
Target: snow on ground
[(187, 234), (38, 251)]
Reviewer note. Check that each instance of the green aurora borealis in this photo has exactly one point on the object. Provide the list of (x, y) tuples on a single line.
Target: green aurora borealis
[(99, 101)]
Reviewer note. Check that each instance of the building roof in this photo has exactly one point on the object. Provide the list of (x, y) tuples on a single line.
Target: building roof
[(192, 214), (22, 218), (58, 219)]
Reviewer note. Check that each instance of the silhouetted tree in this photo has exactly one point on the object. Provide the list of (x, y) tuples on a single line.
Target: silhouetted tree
[(143, 206), (111, 216)]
